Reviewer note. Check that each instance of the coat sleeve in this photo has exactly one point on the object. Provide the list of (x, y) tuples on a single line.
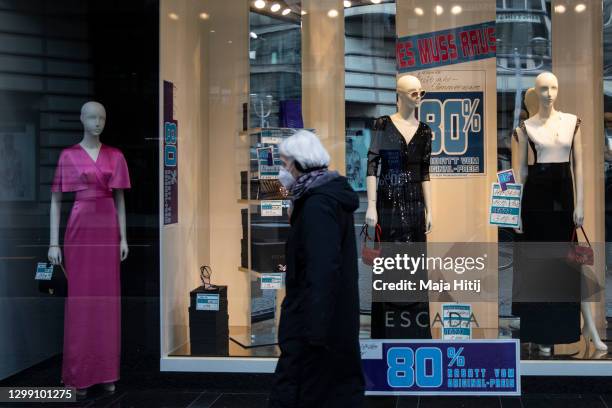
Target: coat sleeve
[(322, 247)]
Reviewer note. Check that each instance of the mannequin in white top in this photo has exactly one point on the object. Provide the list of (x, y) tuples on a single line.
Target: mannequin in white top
[(555, 136)]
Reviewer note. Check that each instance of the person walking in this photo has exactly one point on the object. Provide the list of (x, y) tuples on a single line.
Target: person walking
[(320, 362)]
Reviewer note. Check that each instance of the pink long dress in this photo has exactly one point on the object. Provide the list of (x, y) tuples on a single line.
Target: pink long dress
[(92, 322)]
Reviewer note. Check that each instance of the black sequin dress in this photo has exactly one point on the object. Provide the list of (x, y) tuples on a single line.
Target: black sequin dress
[(401, 168)]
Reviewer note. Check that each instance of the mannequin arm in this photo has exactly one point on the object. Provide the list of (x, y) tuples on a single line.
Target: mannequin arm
[(523, 157), (426, 185), (579, 176), (371, 215), (521, 162), (120, 205), (55, 253)]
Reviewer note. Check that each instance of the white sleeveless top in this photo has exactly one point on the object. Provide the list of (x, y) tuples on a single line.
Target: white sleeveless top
[(554, 144)]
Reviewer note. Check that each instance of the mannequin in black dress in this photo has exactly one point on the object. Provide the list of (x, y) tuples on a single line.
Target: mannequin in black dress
[(399, 200)]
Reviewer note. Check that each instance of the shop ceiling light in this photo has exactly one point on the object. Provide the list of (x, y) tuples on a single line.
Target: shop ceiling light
[(347, 3), (560, 9), (456, 10), (286, 11), (376, 1), (253, 35), (418, 11), (303, 12), (580, 7), (333, 13), (204, 16), (260, 4), (439, 10), (275, 7), (173, 16)]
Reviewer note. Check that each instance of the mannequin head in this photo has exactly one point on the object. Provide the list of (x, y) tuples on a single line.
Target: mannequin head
[(409, 93), (547, 88), (93, 118), (531, 102)]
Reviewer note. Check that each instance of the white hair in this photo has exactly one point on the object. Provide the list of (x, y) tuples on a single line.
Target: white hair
[(305, 148)]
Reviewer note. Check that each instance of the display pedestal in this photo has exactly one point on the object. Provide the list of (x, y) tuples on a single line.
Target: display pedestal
[(208, 321)]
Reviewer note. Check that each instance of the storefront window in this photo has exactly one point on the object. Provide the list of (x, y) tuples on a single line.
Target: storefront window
[(79, 158), (471, 133), (294, 69)]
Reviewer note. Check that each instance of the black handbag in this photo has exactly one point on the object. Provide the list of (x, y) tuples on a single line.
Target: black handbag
[(57, 285)]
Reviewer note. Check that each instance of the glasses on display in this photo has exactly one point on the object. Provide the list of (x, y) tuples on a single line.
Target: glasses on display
[(417, 94)]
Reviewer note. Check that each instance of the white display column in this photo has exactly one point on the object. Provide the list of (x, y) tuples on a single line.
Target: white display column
[(578, 64), (323, 75), (461, 203)]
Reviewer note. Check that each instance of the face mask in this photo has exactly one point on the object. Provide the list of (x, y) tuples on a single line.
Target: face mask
[(286, 178)]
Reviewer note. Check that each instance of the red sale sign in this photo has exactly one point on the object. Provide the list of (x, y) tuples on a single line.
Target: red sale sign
[(440, 48)]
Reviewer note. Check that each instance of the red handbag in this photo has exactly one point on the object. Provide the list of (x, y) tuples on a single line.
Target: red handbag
[(368, 254), (580, 254)]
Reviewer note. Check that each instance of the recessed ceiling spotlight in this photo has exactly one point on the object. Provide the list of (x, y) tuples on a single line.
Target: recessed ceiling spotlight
[(260, 4), (439, 10), (347, 3), (286, 11), (580, 7), (560, 9), (173, 16), (418, 11), (253, 35), (204, 16), (456, 10), (275, 7), (333, 13)]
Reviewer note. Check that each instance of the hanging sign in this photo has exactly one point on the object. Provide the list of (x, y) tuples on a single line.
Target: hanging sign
[(170, 152), (439, 48), (453, 108)]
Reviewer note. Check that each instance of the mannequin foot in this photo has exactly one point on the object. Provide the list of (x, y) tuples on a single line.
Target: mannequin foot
[(109, 387), (545, 349), (592, 335)]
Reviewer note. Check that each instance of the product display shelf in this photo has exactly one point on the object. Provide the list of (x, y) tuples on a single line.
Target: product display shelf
[(265, 226)]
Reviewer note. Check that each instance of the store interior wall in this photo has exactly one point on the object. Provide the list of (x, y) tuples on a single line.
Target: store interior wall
[(210, 73), (578, 65), (467, 220), (56, 55)]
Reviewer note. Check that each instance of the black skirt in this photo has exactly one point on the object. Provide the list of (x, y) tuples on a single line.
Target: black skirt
[(547, 210)]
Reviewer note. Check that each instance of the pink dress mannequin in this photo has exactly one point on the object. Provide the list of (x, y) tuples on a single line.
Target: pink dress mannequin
[(94, 245)]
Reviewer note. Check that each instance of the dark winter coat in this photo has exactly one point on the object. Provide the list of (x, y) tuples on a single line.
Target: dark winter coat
[(320, 363)]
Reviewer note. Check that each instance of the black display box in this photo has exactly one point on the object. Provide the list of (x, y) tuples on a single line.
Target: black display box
[(208, 329)]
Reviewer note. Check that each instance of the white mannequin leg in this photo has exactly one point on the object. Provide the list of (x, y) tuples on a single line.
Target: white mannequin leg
[(589, 331)]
